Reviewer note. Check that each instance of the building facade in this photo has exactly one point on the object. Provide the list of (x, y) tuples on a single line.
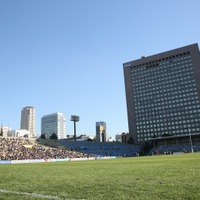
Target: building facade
[(118, 138), (101, 133), (163, 94), (5, 131), (28, 119), (23, 133), (54, 123)]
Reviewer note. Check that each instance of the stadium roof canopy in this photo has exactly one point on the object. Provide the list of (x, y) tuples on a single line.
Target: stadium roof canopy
[(174, 137)]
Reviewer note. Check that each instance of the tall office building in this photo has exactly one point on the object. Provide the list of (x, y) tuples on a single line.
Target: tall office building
[(28, 119), (101, 131), (163, 93), (54, 123)]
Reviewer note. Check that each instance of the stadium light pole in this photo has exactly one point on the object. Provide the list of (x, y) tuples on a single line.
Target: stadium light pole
[(190, 140), (75, 119)]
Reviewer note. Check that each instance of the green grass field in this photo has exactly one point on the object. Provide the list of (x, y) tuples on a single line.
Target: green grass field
[(154, 177)]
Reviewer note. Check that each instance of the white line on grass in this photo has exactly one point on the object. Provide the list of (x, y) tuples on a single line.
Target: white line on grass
[(35, 195)]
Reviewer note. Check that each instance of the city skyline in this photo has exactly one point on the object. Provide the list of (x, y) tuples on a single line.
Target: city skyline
[(25, 118), (68, 56)]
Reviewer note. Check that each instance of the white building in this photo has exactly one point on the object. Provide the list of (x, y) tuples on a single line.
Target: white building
[(28, 119), (6, 131), (118, 138), (54, 123), (110, 139), (21, 133)]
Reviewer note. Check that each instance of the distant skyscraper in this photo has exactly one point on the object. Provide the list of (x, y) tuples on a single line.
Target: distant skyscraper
[(163, 94), (54, 123), (101, 131), (28, 119)]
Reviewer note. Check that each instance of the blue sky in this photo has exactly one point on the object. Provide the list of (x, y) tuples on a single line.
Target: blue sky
[(67, 55)]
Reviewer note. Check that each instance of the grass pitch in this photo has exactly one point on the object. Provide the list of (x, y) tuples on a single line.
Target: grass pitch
[(154, 177)]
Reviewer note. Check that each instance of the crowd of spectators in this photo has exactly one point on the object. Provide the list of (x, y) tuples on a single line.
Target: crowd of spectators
[(23, 149)]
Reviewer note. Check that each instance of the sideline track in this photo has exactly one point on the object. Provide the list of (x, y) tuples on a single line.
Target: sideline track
[(41, 196)]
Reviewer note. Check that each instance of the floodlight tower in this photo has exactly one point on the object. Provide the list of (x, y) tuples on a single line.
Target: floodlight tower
[(75, 119), (192, 150)]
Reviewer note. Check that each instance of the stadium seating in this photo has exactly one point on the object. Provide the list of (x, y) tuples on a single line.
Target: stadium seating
[(102, 148), (24, 149), (176, 148)]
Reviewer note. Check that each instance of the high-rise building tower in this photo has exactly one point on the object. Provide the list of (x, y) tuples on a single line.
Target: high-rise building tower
[(101, 134), (163, 94), (54, 123), (28, 119)]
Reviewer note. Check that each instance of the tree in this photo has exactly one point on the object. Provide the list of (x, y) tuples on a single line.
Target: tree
[(1, 133), (90, 140), (43, 136), (54, 136), (131, 140), (147, 147)]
